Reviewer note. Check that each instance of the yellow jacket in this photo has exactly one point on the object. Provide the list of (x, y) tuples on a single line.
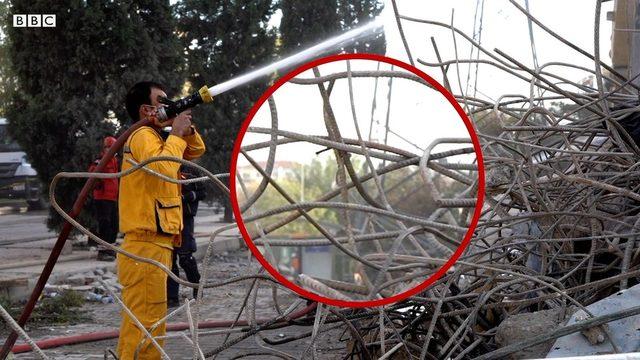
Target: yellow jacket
[(148, 204)]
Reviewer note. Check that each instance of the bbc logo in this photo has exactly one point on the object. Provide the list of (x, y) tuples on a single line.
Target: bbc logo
[(34, 20)]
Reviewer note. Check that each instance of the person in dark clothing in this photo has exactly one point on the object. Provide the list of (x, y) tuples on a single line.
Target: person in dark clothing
[(105, 199), (183, 255)]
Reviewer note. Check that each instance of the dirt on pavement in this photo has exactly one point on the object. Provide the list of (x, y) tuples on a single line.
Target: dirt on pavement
[(221, 303)]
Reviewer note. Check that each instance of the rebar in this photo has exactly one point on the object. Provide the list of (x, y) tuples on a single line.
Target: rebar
[(558, 228)]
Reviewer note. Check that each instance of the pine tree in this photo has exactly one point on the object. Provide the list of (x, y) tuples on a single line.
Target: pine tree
[(353, 13), (305, 23), (7, 80), (73, 77), (224, 39)]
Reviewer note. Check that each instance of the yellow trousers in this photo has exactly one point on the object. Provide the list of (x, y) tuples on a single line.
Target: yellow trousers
[(145, 294)]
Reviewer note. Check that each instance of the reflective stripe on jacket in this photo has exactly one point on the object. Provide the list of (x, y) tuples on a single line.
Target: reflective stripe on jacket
[(146, 202)]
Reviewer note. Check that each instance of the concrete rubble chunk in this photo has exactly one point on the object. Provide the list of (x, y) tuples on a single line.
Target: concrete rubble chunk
[(595, 335), (81, 288), (520, 327), (75, 280)]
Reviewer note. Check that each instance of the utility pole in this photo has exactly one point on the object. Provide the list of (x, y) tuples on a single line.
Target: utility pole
[(625, 38)]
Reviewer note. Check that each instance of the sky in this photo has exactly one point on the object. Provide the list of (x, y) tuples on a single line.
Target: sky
[(422, 115), (505, 28), (415, 110)]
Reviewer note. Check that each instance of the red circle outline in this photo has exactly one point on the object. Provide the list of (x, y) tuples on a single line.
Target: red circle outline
[(369, 303)]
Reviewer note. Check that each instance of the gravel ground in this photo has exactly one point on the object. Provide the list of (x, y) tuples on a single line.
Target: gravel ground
[(221, 303)]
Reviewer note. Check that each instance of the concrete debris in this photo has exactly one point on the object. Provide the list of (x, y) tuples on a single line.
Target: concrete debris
[(595, 341), (519, 327), (595, 335), (76, 280), (86, 283)]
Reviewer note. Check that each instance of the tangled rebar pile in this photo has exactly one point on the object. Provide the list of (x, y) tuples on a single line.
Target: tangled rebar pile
[(558, 229), (390, 211), (560, 222)]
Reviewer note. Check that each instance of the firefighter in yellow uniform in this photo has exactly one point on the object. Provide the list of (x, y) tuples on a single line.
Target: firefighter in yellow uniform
[(150, 217)]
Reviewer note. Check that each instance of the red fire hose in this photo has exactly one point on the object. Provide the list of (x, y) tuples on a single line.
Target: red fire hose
[(112, 334)]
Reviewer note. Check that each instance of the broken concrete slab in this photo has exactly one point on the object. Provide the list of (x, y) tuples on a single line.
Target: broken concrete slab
[(520, 327), (624, 332), (13, 287), (75, 280), (18, 291), (80, 263)]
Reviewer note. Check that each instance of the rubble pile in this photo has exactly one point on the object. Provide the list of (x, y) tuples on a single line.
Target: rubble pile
[(86, 283)]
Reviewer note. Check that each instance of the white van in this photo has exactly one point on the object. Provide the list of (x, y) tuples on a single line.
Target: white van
[(18, 180)]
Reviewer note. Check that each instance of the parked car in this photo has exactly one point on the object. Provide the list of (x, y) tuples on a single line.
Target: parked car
[(18, 180)]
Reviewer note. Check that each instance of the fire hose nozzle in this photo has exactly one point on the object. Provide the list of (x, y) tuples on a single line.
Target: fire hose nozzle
[(174, 108), (205, 94)]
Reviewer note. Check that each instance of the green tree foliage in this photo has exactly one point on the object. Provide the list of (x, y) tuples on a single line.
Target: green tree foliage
[(223, 39), (73, 77), (404, 189), (7, 80), (319, 177), (353, 13), (305, 23)]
